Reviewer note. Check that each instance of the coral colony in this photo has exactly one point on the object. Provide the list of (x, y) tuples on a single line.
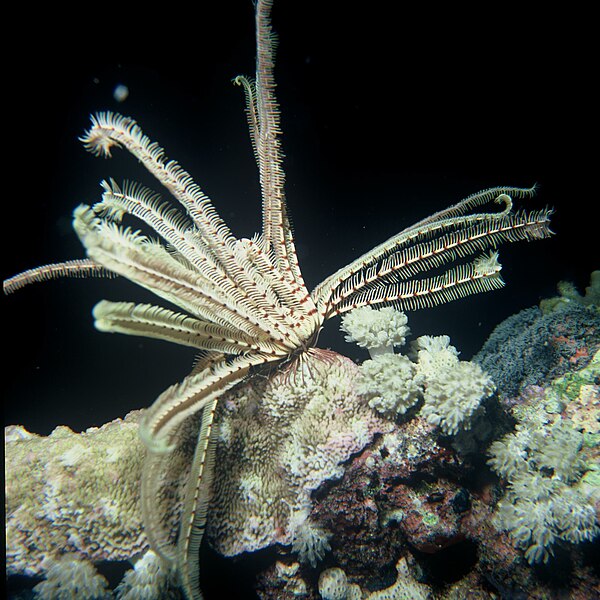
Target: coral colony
[(238, 449)]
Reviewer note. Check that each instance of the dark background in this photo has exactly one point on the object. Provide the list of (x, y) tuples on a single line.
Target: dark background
[(387, 117)]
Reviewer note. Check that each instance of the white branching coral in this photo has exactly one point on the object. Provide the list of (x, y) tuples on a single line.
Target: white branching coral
[(546, 500), (451, 389), (390, 383), (69, 577), (454, 389), (149, 579), (435, 354), (377, 330), (453, 393)]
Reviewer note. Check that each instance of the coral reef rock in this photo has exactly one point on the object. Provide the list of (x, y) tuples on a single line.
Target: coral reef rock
[(359, 487)]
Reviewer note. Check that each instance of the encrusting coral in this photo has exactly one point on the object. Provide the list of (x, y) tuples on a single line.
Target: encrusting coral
[(73, 502), (406, 587), (73, 493), (279, 439), (333, 585), (538, 344)]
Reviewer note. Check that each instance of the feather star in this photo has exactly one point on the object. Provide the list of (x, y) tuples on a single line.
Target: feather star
[(244, 302)]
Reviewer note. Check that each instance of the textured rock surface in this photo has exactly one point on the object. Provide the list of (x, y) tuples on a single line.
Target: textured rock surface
[(534, 346)]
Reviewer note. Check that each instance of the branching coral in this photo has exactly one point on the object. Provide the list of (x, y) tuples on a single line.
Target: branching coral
[(69, 577), (548, 500), (390, 382), (377, 330), (452, 390)]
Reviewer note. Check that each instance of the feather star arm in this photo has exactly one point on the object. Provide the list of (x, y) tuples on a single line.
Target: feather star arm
[(181, 400), (464, 239), (160, 323), (151, 266), (265, 131), (70, 268), (448, 235), (255, 288)]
